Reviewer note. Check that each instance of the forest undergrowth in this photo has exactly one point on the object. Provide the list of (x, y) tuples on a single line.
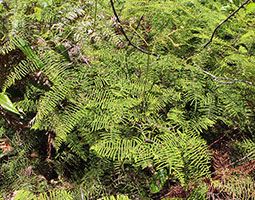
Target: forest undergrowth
[(127, 100)]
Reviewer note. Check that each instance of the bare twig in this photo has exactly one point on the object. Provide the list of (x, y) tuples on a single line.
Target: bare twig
[(95, 17), (232, 14), (158, 126), (220, 79), (72, 46), (227, 80), (146, 138), (209, 146), (9, 152), (237, 168), (245, 157), (87, 62), (154, 61), (125, 35)]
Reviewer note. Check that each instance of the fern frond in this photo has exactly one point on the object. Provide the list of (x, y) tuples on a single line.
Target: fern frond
[(52, 195), (24, 67), (56, 195), (7, 47), (118, 197), (20, 71), (51, 99), (247, 146), (23, 194), (182, 154), (70, 118)]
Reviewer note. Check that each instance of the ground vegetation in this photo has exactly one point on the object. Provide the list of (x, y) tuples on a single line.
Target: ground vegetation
[(128, 99)]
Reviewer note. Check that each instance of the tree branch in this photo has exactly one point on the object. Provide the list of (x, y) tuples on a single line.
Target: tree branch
[(232, 14), (125, 35), (245, 157), (220, 79), (209, 146)]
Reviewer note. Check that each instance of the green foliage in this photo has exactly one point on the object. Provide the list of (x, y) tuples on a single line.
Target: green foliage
[(199, 192), (158, 181), (25, 195), (177, 149), (15, 171), (6, 103), (251, 7), (246, 147), (119, 197), (53, 195), (109, 109)]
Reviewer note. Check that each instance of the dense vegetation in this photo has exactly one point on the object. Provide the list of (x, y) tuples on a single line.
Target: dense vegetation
[(127, 99)]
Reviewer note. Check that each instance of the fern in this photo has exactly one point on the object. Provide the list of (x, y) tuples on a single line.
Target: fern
[(237, 187), (53, 195), (177, 149), (25, 195), (118, 197), (107, 104), (7, 47)]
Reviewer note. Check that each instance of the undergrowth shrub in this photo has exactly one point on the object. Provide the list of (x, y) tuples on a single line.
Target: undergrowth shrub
[(113, 100)]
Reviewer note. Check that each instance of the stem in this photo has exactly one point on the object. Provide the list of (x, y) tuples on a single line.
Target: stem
[(125, 35), (219, 25)]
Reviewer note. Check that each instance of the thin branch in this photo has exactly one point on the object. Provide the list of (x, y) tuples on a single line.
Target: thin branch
[(220, 79), (95, 17), (232, 14), (87, 62), (245, 157), (154, 61), (72, 46), (9, 152), (228, 80), (237, 168), (146, 138), (125, 35), (209, 146)]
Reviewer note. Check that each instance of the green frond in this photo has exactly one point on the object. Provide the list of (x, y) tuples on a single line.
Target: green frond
[(20, 71), (70, 118), (51, 99), (247, 147), (22, 195), (25, 66), (52, 195), (186, 156), (7, 47), (30, 101), (199, 192), (56, 195), (109, 116), (55, 67), (118, 197)]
